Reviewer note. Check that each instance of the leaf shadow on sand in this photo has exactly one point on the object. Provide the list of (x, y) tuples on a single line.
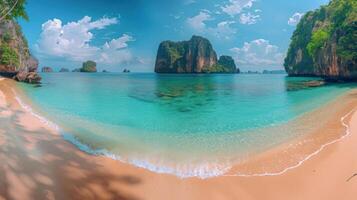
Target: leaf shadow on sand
[(36, 164)]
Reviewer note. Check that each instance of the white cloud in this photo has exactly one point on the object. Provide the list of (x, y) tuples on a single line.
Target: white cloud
[(294, 20), (189, 2), (248, 18), (235, 7), (222, 29), (71, 41), (198, 22), (258, 53)]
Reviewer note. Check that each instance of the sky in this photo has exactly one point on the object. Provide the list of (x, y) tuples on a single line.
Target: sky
[(120, 34)]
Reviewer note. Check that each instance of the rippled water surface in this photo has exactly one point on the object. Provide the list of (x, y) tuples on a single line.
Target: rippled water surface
[(183, 124)]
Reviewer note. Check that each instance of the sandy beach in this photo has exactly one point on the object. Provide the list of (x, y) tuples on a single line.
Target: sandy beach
[(36, 163)]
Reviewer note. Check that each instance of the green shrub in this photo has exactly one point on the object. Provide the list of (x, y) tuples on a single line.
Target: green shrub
[(318, 39), (6, 37), (8, 56)]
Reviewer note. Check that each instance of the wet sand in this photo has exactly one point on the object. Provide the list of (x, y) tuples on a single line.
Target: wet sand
[(36, 163)]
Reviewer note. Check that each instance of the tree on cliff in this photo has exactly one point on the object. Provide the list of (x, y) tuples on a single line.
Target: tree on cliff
[(10, 9)]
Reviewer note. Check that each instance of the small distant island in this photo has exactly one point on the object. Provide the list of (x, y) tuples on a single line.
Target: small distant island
[(64, 70), (89, 66), (194, 56), (46, 69)]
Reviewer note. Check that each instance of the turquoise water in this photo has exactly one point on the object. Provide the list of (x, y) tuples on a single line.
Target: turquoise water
[(188, 125)]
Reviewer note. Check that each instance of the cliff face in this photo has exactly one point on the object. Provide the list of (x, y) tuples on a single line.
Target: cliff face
[(13, 40), (193, 56), (324, 43), (15, 56)]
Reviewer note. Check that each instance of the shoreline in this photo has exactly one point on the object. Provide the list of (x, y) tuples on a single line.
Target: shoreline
[(32, 131)]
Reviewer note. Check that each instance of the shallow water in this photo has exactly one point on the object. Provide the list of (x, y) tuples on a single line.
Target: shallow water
[(188, 125)]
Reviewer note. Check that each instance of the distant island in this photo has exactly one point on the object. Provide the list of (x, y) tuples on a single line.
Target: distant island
[(89, 66), (274, 72), (194, 56), (46, 69), (64, 70), (324, 43)]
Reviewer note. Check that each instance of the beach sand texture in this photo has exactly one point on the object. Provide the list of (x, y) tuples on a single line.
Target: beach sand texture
[(36, 163)]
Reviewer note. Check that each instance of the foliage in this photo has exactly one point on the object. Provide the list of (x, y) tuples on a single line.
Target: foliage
[(18, 10), (6, 37), (333, 24), (318, 39), (347, 45), (89, 66), (8, 56)]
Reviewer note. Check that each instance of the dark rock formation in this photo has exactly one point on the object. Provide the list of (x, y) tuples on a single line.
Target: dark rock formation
[(15, 56), (105, 71), (89, 66), (64, 70), (28, 77), (46, 70), (194, 56), (126, 71), (76, 70), (324, 43)]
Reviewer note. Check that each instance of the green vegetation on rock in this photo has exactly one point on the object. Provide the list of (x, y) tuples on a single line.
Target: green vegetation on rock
[(318, 39), (194, 56), (324, 42), (16, 8), (89, 66), (8, 56)]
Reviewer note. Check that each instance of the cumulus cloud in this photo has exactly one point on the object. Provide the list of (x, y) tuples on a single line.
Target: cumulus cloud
[(235, 7), (258, 53), (72, 41), (248, 18), (294, 20), (198, 21), (222, 29)]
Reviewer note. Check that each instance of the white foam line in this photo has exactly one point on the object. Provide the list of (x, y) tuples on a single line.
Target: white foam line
[(29, 110), (348, 133)]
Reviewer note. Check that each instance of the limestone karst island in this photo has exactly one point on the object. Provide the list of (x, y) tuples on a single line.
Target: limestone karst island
[(180, 99)]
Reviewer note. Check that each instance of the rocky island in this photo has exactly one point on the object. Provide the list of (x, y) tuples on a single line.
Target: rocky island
[(324, 43), (89, 66), (46, 69), (64, 70), (194, 56)]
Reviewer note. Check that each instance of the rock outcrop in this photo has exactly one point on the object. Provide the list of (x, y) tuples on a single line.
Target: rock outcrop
[(46, 69), (15, 56), (194, 56), (89, 66), (324, 43), (27, 77)]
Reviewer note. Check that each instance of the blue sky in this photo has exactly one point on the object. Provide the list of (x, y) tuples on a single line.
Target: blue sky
[(126, 33)]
